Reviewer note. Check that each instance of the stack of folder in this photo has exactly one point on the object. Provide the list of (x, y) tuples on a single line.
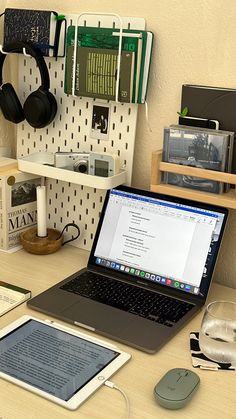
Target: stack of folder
[(97, 57)]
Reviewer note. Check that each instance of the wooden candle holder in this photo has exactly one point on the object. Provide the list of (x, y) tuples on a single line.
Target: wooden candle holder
[(41, 245)]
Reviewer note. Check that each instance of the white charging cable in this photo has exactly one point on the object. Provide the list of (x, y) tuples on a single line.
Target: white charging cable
[(146, 116), (112, 385)]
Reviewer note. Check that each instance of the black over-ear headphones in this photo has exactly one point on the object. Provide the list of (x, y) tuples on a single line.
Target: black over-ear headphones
[(40, 106)]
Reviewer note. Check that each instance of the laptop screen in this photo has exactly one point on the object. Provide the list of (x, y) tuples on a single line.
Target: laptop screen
[(159, 239)]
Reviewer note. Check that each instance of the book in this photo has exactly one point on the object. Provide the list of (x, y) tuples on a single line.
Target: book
[(11, 296), (217, 103), (96, 73), (133, 42), (202, 148), (44, 29), (18, 206)]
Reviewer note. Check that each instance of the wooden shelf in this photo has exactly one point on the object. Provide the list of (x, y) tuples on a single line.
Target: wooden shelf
[(227, 199)]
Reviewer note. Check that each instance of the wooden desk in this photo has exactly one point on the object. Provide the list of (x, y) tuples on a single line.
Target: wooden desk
[(215, 398)]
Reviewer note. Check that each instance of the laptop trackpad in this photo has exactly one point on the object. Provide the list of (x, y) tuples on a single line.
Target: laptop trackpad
[(125, 327), (93, 314)]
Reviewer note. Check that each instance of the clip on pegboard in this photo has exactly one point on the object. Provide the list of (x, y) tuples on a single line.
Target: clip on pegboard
[(119, 48), (4, 52)]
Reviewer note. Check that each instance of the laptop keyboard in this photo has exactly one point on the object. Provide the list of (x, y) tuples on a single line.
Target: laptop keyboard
[(151, 305)]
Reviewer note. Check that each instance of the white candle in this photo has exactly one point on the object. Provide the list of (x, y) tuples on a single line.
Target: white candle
[(41, 211)]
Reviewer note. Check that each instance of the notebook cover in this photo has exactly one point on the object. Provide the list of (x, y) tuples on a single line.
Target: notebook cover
[(35, 26), (96, 73)]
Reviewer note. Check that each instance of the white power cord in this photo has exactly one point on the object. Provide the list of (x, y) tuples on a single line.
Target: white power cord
[(112, 385), (146, 116)]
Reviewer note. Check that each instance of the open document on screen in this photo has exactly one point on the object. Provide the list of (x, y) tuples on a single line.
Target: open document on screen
[(161, 237)]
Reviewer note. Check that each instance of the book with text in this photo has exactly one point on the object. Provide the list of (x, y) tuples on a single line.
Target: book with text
[(11, 296), (41, 28), (135, 43), (96, 73), (18, 207)]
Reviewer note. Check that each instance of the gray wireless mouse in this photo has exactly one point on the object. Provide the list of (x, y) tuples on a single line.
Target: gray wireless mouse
[(176, 388)]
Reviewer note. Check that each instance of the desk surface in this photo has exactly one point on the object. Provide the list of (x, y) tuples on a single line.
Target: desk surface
[(215, 398)]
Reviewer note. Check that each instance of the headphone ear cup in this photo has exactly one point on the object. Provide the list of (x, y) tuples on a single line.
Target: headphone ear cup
[(40, 108), (10, 104)]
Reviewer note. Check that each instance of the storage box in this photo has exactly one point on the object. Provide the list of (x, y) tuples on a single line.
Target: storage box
[(18, 207)]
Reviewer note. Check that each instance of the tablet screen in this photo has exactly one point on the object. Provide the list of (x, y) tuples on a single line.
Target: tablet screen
[(52, 360)]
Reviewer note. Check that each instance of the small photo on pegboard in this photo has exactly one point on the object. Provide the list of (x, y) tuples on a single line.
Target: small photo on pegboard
[(100, 122)]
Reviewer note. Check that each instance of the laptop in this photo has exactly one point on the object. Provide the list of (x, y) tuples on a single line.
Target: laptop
[(149, 270)]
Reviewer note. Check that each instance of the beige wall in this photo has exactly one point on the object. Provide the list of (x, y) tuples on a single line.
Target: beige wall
[(195, 42)]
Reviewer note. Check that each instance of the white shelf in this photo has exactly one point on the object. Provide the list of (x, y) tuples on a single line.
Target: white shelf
[(42, 164)]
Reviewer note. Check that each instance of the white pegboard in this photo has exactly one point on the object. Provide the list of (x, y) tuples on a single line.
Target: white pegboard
[(71, 131)]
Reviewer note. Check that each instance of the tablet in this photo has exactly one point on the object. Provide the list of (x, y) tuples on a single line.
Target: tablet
[(56, 362)]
